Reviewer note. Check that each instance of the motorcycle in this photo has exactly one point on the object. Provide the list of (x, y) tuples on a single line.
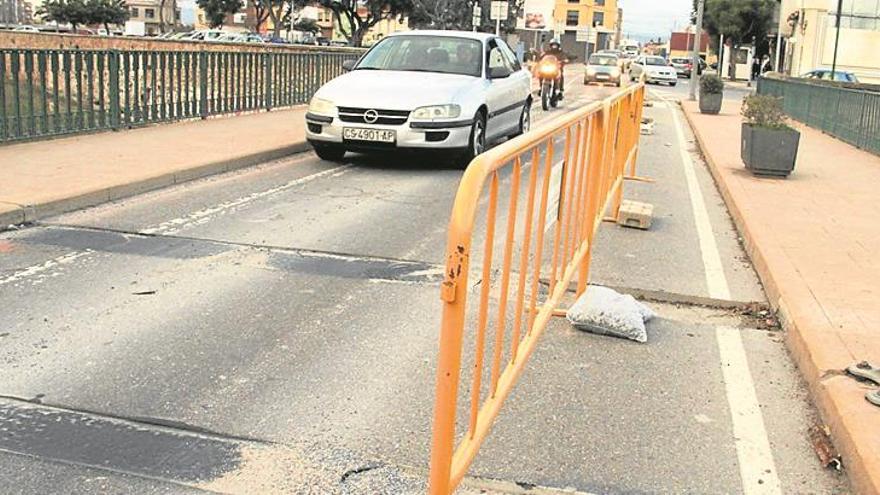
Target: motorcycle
[(549, 72)]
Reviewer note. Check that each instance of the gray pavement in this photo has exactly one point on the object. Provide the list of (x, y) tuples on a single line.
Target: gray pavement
[(290, 312)]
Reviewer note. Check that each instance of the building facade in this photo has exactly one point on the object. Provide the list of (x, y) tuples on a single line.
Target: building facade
[(148, 12), (13, 12), (807, 30), (599, 16)]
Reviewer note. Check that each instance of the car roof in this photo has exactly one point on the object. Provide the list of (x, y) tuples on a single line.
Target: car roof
[(449, 34)]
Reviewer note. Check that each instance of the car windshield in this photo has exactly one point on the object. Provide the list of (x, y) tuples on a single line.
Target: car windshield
[(444, 54), (603, 60), (654, 61), (680, 61)]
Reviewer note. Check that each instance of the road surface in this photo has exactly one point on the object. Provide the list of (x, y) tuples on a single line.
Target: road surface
[(275, 329)]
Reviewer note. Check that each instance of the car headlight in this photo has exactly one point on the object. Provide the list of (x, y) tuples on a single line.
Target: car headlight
[(615, 72), (321, 106), (434, 112)]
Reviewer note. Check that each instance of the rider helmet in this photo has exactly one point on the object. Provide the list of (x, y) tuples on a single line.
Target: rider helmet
[(555, 43)]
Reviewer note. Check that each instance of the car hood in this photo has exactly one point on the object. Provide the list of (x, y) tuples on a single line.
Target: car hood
[(659, 69), (395, 90)]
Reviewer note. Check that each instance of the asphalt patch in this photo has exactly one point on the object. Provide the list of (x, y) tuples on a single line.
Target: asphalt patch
[(109, 443)]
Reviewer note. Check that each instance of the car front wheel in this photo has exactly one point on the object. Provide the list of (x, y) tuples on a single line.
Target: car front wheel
[(477, 142)]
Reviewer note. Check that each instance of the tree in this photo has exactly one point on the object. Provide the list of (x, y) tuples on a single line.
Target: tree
[(106, 12), (73, 12), (740, 21), (307, 26), (441, 14), (355, 17), (217, 10)]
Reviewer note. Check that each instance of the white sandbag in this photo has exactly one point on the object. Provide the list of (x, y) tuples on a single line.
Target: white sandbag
[(603, 311)]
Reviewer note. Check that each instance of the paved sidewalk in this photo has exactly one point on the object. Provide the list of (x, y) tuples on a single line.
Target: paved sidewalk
[(814, 239), (43, 178)]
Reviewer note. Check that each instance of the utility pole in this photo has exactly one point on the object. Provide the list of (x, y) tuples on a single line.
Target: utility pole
[(836, 41), (695, 55)]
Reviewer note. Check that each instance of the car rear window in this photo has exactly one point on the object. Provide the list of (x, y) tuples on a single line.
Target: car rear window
[(603, 60), (443, 54), (655, 61)]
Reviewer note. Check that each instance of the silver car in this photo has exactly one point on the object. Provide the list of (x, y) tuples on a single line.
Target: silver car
[(602, 68), (426, 91)]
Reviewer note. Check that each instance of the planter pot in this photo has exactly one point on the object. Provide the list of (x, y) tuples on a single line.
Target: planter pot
[(710, 103), (769, 151)]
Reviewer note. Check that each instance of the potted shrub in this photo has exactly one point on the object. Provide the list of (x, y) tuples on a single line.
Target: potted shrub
[(711, 93), (769, 145)]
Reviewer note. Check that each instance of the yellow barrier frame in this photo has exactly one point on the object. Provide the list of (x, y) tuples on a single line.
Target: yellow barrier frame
[(600, 151)]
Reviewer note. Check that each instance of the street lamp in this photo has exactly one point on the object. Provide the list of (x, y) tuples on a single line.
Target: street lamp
[(695, 55), (836, 41)]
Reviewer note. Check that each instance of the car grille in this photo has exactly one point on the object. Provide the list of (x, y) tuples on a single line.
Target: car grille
[(386, 117)]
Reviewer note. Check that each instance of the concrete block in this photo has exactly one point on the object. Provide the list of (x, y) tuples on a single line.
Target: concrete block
[(635, 214)]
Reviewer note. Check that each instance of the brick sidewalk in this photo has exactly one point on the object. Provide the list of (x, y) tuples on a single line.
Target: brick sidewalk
[(43, 178), (814, 239)]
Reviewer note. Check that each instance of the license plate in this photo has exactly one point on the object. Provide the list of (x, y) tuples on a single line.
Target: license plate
[(601, 76), (361, 134)]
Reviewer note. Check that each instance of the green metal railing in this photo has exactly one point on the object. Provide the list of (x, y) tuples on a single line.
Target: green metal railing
[(54, 92), (852, 115)]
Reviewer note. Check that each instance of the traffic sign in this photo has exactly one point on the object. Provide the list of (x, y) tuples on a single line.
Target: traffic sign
[(499, 10)]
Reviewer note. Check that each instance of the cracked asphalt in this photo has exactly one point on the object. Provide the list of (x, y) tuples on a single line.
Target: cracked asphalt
[(274, 330)]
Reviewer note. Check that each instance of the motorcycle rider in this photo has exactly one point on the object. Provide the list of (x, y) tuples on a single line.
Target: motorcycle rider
[(554, 48)]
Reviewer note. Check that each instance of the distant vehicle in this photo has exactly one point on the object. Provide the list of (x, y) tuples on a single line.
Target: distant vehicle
[(179, 36), (654, 69), (825, 75), (684, 67), (429, 91), (322, 41), (623, 60), (631, 48), (26, 29), (603, 68), (338, 43), (207, 35)]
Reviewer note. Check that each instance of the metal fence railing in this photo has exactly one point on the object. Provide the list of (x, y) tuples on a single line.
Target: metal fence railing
[(54, 92), (852, 115), (551, 188)]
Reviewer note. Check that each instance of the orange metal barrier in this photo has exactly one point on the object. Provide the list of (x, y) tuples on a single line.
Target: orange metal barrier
[(598, 151)]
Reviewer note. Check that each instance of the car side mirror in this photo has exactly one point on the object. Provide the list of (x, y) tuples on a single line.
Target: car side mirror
[(499, 72), (348, 65)]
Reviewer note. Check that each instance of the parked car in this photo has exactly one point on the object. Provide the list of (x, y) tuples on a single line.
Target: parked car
[(602, 68), (207, 35), (825, 75), (338, 43), (322, 41), (427, 91), (26, 29), (655, 70), (683, 66)]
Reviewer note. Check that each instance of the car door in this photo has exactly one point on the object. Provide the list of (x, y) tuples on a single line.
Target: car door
[(500, 91), (522, 80)]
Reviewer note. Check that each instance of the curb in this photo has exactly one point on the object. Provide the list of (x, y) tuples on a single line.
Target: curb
[(831, 393), (31, 213)]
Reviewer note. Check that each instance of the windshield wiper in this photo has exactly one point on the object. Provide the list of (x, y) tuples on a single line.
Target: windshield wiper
[(367, 68)]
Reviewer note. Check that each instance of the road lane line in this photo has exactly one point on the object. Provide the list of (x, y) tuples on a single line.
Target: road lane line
[(45, 266), (201, 216), (756, 467)]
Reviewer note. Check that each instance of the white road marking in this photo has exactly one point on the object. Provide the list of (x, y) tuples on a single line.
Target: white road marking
[(177, 224), (204, 215), (43, 267), (756, 467)]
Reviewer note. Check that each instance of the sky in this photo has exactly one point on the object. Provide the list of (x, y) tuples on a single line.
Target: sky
[(643, 19)]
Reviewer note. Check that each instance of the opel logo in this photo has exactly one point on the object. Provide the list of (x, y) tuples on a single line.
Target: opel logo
[(371, 116)]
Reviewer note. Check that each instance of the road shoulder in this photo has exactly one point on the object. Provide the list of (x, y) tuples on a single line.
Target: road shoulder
[(822, 295)]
